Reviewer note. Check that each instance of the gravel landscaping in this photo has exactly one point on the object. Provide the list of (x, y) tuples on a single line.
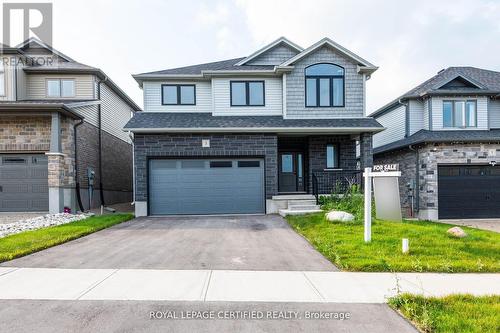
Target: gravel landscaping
[(39, 222)]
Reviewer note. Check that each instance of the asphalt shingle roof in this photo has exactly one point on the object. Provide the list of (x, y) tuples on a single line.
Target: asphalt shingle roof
[(487, 79), (152, 120), (426, 136), (210, 66)]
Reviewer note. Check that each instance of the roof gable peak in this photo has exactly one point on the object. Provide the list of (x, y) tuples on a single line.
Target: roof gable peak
[(327, 41), (41, 44), (281, 40)]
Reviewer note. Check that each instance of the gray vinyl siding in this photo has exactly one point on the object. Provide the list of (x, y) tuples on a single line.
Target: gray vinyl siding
[(416, 114), (273, 98), (115, 113), (494, 110), (394, 123), (426, 114), (153, 103), (10, 92), (437, 112), (275, 56), (295, 85), (21, 83), (36, 86)]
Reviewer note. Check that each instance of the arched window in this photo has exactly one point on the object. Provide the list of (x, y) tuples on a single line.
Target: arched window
[(324, 85)]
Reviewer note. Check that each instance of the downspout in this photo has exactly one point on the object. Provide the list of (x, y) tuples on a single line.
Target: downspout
[(417, 180), (99, 120), (77, 185)]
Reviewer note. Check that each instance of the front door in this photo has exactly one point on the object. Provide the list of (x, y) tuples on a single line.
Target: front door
[(291, 172)]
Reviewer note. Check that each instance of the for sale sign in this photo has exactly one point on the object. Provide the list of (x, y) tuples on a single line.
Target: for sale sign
[(385, 167)]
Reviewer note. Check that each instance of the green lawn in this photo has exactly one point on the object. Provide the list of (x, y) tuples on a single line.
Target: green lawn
[(27, 242), (456, 313), (431, 248)]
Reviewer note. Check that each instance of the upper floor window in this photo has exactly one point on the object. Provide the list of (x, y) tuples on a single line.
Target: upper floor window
[(459, 113), (324, 85), (178, 94), (247, 93), (2, 78), (60, 88)]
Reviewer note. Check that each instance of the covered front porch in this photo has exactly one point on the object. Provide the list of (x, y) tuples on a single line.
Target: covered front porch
[(312, 165), (321, 163)]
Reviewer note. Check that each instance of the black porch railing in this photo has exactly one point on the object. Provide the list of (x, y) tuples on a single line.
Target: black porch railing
[(334, 181)]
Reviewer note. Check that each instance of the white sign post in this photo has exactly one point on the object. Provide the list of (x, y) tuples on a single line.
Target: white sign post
[(388, 170)]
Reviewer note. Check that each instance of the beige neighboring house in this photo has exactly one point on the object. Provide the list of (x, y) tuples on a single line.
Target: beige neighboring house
[(60, 119)]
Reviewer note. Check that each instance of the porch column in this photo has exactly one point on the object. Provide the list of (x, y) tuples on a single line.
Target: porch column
[(55, 166), (366, 150)]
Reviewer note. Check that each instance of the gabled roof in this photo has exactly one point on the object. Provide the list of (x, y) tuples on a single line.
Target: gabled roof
[(486, 82), (240, 66), (281, 40), (459, 77), (426, 136), (32, 40), (205, 122), (70, 66), (327, 41)]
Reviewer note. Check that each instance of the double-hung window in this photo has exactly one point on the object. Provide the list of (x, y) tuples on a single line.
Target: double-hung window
[(247, 93), (178, 94), (60, 88), (2, 78), (324, 85), (459, 114), (332, 156)]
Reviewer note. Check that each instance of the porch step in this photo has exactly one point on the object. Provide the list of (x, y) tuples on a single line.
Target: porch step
[(285, 212), (293, 197), (303, 207), (301, 202)]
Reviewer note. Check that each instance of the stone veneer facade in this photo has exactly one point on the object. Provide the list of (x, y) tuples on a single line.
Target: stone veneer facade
[(32, 135), (429, 157)]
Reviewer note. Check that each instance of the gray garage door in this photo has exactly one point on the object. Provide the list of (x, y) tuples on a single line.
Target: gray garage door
[(208, 186), (23, 183)]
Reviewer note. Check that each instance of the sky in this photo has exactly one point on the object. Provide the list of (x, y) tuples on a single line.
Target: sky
[(410, 41)]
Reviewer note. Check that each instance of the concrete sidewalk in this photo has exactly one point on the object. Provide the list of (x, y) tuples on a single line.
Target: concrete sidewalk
[(232, 286)]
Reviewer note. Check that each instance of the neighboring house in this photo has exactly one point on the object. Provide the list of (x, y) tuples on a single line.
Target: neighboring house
[(48, 102), (445, 134), (233, 136)]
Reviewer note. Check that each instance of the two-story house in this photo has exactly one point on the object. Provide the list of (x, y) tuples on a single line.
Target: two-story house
[(248, 135), (445, 134), (60, 119)]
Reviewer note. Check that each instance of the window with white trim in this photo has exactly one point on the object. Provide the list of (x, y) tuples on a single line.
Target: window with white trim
[(459, 114), (60, 88)]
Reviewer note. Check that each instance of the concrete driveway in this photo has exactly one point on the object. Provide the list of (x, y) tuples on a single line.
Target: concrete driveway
[(246, 242)]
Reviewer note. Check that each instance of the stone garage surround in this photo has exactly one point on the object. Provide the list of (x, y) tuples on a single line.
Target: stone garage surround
[(430, 156)]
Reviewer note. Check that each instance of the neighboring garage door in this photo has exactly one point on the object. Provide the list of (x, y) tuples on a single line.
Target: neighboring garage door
[(206, 186), (470, 191), (23, 183)]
